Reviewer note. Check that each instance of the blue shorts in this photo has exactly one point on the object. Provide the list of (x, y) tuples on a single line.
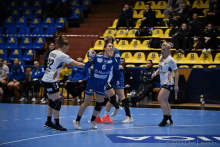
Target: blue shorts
[(97, 88), (117, 82)]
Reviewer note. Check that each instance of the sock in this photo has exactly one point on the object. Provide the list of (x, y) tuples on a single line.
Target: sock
[(93, 118), (165, 117), (169, 117), (49, 118), (126, 106), (78, 118), (106, 113), (56, 121)]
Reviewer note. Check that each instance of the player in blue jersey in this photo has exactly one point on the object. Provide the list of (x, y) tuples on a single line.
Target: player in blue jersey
[(102, 66)]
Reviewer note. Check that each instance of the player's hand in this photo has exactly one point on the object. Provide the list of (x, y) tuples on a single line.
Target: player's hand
[(176, 89), (67, 81), (127, 86), (121, 67), (80, 81), (110, 52), (153, 75)]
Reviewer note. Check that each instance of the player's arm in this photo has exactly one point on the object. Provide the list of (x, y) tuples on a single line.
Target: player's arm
[(176, 88), (155, 73), (77, 64), (115, 63)]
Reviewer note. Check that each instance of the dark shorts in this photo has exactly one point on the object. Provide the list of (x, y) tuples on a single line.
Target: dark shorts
[(117, 82), (51, 88), (168, 87)]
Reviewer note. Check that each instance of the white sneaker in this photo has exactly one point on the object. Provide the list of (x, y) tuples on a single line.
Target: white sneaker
[(93, 125), (43, 99), (22, 99), (127, 31), (77, 125), (115, 112), (128, 120), (78, 100), (33, 99), (209, 50), (204, 51), (115, 32)]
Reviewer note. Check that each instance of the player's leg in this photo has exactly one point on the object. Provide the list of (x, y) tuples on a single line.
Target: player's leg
[(2, 83), (98, 119), (16, 89)]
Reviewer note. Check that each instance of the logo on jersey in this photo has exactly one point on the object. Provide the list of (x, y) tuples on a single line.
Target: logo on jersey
[(55, 75), (117, 83), (117, 55), (99, 60), (171, 88), (49, 89), (109, 62)]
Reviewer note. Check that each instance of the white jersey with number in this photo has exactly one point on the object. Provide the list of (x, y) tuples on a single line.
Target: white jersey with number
[(55, 63), (166, 67)]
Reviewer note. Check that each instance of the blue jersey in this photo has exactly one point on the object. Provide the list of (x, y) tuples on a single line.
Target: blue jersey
[(117, 55), (17, 73), (37, 73), (79, 74)]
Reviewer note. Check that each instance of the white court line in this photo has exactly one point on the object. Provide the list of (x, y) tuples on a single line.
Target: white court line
[(4, 120), (141, 114), (153, 114), (106, 130), (28, 119), (38, 118)]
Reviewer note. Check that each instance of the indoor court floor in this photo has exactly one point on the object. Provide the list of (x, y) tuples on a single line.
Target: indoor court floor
[(22, 125)]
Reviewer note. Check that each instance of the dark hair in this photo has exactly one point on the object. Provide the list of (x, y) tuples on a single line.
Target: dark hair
[(16, 58), (51, 43), (150, 61), (60, 41), (184, 2), (2, 58), (148, 4), (210, 24), (107, 44), (108, 39), (122, 58)]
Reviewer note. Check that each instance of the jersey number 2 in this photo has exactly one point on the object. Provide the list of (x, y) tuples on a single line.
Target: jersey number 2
[(50, 62)]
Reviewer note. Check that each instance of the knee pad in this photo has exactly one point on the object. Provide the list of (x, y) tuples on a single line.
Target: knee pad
[(98, 106), (105, 101), (113, 99), (56, 105), (0, 84)]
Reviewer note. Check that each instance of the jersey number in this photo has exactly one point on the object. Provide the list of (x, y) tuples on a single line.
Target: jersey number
[(50, 62)]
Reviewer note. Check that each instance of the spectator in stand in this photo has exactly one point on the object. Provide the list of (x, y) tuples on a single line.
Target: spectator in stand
[(34, 85), (184, 14), (4, 70), (48, 10), (146, 83), (63, 9), (213, 14), (125, 18), (77, 80), (196, 27), (149, 18), (176, 6), (209, 38), (16, 79), (182, 38), (212, 2), (63, 75)]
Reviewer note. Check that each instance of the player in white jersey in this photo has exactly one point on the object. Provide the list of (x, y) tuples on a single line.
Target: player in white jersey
[(167, 66), (56, 60)]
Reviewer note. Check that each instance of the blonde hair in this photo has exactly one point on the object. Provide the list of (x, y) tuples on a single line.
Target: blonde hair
[(60, 41), (166, 45)]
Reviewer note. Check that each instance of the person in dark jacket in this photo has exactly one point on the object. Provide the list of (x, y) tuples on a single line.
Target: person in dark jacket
[(146, 83), (196, 27), (213, 14), (16, 78), (63, 9), (209, 38), (78, 78), (184, 14), (125, 18), (149, 17), (46, 54), (127, 76), (182, 38)]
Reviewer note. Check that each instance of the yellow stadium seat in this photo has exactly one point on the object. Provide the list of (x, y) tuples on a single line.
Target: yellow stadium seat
[(154, 56), (86, 59), (197, 66), (139, 57), (161, 5), (130, 65), (157, 33), (123, 44), (135, 44), (99, 44), (207, 2), (188, 3), (198, 4), (136, 15), (206, 59), (131, 33), (139, 5), (121, 33), (158, 14), (217, 58), (184, 66), (109, 33), (179, 58), (138, 23), (114, 24), (145, 45), (212, 66), (127, 56), (205, 11), (167, 33), (155, 65), (143, 65), (153, 4), (192, 58)]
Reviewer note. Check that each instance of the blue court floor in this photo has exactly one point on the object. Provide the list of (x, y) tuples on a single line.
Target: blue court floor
[(22, 125)]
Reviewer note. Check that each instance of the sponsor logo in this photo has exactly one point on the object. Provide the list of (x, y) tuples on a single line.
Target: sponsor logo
[(49, 89), (168, 139), (100, 76), (171, 88), (117, 55), (109, 61), (99, 60)]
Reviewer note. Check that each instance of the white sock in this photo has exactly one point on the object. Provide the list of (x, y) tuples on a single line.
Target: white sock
[(106, 113)]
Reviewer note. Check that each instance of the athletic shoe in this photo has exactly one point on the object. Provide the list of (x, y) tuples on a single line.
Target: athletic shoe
[(44, 102), (98, 120), (163, 123), (170, 122), (59, 128), (115, 112), (106, 119), (204, 51), (22, 99), (209, 51), (128, 120), (78, 100), (43, 99), (77, 125), (93, 125), (33, 99), (49, 124)]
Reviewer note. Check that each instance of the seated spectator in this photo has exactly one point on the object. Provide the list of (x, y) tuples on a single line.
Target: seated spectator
[(182, 38), (209, 38), (63, 77), (48, 10), (3, 75), (196, 27), (125, 18), (184, 14), (213, 14), (63, 9), (16, 79), (149, 17), (77, 80), (146, 83), (176, 6), (212, 2), (127, 75), (34, 84)]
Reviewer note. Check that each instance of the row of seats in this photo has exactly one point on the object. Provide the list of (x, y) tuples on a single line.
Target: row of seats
[(35, 22), (163, 4), (181, 66), (16, 53), (26, 43), (25, 31)]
